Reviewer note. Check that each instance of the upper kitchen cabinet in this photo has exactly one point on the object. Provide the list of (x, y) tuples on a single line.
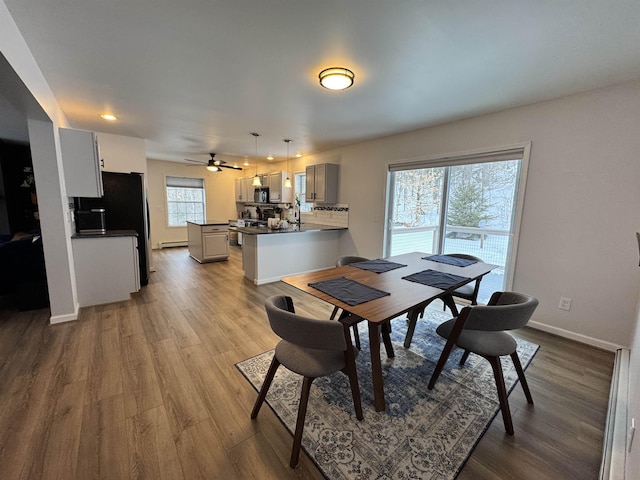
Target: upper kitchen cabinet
[(277, 191), (81, 161), (322, 183), (244, 190)]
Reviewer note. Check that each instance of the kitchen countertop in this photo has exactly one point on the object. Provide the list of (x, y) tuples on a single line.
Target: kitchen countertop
[(210, 222), (305, 227), (108, 233)]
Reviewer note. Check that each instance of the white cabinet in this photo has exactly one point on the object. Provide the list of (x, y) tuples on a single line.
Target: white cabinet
[(278, 193), (81, 162), (244, 190), (322, 183), (238, 190), (106, 268), (208, 243)]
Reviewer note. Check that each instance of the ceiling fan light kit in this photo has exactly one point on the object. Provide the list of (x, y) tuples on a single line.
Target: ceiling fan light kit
[(336, 78), (214, 165)]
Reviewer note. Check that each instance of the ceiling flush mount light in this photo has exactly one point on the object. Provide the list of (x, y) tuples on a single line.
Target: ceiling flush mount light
[(270, 157), (287, 182), (256, 179), (336, 78), (108, 116)]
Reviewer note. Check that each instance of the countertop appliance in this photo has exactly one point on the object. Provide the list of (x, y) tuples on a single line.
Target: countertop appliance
[(261, 195), (125, 205), (91, 221)]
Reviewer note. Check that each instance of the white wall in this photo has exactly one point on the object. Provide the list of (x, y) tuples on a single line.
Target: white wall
[(581, 206), (39, 106), (123, 154), (220, 196)]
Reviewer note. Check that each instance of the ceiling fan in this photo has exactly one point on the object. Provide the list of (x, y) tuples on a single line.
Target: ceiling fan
[(214, 165)]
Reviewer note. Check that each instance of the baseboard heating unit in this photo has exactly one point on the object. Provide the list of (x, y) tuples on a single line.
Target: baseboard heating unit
[(614, 452), (162, 245)]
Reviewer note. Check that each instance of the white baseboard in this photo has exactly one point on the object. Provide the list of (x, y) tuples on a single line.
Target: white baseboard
[(162, 245), (69, 317), (578, 337)]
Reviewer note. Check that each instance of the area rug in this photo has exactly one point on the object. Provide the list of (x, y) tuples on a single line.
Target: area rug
[(423, 434)]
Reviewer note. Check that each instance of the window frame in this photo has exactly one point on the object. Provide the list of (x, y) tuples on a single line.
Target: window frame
[(463, 158), (187, 182)]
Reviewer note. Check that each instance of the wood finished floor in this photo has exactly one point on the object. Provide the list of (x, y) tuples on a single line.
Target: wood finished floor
[(147, 389)]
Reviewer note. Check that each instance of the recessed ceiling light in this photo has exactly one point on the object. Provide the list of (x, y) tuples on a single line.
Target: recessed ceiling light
[(270, 157), (336, 78), (298, 155), (108, 116)]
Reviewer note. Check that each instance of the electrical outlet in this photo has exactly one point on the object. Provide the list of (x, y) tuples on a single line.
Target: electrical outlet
[(565, 304)]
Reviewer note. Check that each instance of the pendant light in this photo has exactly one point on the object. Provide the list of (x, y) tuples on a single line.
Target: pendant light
[(256, 179), (287, 182)]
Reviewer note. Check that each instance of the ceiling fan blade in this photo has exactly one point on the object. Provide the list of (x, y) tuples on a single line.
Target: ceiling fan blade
[(195, 161), (230, 166)]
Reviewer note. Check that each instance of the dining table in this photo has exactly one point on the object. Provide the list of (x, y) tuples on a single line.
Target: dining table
[(382, 289)]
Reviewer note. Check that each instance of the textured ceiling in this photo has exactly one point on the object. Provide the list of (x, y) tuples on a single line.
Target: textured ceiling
[(197, 76)]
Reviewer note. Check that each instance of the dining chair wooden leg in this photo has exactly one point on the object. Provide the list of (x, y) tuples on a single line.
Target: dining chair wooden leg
[(502, 393), (302, 413), (523, 380), (450, 302), (333, 314), (464, 357), (386, 338), (356, 337), (411, 328), (444, 356), (265, 386)]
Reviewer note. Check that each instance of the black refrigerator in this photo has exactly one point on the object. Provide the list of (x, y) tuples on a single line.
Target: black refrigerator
[(126, 208)]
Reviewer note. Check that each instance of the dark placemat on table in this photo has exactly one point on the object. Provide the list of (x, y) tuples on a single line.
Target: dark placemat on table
[(458, 262), (378, 265), (433, 278), (348, 291)]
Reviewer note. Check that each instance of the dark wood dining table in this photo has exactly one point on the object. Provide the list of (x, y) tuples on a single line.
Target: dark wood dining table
[(404, 297)]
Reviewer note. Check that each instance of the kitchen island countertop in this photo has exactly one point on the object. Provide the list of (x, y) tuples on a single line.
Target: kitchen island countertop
[(295, 228)]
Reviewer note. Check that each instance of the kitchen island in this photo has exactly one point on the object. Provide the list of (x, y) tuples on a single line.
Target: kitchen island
[(269, 254), (208, 241)]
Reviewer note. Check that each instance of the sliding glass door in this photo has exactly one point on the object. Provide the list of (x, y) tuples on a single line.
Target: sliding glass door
[(469, 204)]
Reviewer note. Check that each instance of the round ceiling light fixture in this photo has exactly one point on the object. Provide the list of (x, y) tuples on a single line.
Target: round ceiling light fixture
[(336, 78), (108, 116)]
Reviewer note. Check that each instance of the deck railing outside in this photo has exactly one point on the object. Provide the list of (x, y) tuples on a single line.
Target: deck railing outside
[(490, 245)]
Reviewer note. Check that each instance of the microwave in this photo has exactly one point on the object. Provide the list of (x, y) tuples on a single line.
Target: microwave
[(91, 221), (261, 195)]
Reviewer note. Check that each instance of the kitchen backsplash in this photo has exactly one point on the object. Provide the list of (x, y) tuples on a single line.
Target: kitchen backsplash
[(335, 215)]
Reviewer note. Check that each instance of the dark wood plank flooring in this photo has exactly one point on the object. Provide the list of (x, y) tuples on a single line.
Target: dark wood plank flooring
[(148, 389)]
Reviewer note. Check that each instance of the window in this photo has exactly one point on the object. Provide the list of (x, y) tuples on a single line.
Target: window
[(300, 180), (185, 201), (469, 204)]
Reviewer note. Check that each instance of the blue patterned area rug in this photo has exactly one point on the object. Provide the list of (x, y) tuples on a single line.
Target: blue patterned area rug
[(423, 434)]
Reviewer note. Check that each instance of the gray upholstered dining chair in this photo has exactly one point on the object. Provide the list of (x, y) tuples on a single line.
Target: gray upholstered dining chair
[(312, 348), (481, 330), (470, 290), (467, 292)]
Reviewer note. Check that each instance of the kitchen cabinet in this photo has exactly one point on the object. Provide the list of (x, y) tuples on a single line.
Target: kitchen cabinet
[(106, 268), (322, 183), (277, 191), (244, 190), (81, 163), (208, 242)]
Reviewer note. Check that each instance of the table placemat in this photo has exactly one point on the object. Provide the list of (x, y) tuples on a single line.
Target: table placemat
[(436, 279), (378, 265), (348, 291), (458, 262)]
